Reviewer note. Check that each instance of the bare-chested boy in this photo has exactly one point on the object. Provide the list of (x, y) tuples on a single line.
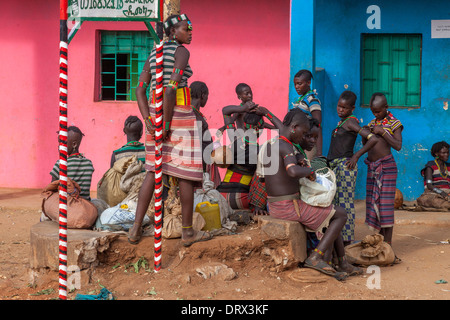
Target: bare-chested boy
[(284, 199), (382, 168)]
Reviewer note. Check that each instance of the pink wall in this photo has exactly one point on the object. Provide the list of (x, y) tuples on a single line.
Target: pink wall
[(232, 43)]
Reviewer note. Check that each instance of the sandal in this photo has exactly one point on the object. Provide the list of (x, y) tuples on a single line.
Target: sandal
[(353, 272), (199, 236), (321, 266)]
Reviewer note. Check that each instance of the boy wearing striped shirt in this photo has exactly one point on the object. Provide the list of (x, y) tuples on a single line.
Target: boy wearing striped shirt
[(133, 128), (79, 168)]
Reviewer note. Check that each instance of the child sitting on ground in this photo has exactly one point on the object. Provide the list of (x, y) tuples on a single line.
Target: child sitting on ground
[(436, 180), (133, 129)]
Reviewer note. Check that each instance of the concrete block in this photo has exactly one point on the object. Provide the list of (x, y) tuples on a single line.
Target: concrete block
[(290, 241), (83, 246)]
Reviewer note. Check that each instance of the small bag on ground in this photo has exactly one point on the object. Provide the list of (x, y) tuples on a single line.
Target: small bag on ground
[(81, 213), (372, 250)]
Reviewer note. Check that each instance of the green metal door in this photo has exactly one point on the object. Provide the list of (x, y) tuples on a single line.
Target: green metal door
[(392, 65)]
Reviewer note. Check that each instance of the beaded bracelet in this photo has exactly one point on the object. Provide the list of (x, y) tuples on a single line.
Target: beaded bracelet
[(179, 71), (166, 125), (143, 84), (231, 126), (288, 155), (173, 84), (269, 115), (149, 122), (290, 165)]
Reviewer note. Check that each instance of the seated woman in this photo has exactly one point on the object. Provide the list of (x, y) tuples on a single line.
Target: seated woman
[(243, 127), (436, 180), (235, 186)]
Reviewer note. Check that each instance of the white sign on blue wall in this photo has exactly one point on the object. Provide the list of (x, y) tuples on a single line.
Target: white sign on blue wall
[(440, 29)]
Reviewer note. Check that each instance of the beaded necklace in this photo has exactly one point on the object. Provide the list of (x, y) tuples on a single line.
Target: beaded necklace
[(299, 148), (445, 175), (76, 154), (255, 143), (195, 109), (386, 119), (133, 143), (341, 123), (303, 96)]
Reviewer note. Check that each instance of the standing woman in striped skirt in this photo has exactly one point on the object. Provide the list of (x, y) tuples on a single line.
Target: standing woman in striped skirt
[(181, 147)]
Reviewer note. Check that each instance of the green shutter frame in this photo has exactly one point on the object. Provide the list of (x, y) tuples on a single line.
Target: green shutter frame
[(127, 51), (392, 65)]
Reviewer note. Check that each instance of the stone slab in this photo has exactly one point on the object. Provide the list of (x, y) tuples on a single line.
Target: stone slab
[(290, 232), (82, 246)]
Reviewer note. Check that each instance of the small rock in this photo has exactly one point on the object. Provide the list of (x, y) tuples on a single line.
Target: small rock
[(216, 270)]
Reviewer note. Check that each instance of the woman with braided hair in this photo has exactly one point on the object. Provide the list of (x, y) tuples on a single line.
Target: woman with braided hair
[(181, 147)]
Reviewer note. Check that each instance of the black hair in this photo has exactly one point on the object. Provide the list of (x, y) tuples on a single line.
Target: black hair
[(241, 87), (252, 118), (167, 30), (198, 88), (295, 115), (304, 73), (313, 122), (375, 95), (349, 96), (438, 147), (134, 122), (76, 130)]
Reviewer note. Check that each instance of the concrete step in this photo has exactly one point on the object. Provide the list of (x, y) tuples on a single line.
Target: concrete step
[(83, 246)]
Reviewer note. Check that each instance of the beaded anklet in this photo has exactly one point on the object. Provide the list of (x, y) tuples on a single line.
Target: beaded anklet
[(319, 252)]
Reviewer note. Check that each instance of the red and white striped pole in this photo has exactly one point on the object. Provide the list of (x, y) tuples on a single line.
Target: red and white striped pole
[(63, 50), (158, 155)]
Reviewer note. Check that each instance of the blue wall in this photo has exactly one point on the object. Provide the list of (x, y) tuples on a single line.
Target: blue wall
[(336, 47)]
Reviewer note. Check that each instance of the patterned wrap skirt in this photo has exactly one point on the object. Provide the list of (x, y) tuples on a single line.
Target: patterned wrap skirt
[(292, 208), (345, 194), (182, 153), (380, 192)]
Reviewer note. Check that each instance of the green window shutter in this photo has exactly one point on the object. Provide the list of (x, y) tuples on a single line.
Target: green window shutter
[(123, 55), (392, 65)]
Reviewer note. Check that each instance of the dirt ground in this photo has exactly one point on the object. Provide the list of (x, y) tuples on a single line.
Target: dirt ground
[(419, 240)]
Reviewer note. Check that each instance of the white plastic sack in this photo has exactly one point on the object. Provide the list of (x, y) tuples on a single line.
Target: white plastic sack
[(319, 193), (117, 218)]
